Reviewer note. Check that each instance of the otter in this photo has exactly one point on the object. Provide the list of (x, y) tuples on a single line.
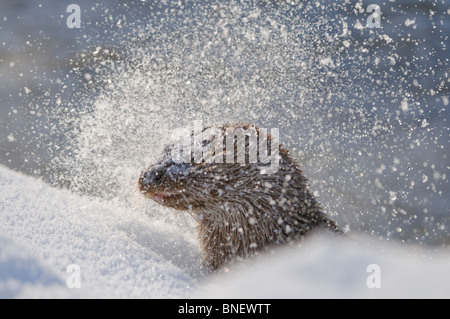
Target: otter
[(240, 209)]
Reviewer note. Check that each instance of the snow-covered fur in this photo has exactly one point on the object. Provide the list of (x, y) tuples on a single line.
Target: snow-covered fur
[(240, 210)]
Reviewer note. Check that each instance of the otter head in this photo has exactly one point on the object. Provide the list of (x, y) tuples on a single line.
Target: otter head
[(227, 164), (241, 186)]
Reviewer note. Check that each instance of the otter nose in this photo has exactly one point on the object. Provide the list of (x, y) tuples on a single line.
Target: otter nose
[(152, 176)]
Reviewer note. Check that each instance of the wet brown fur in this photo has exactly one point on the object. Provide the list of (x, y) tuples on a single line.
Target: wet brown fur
[(239, 211)]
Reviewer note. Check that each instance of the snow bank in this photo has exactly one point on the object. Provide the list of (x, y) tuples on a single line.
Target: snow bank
[(122, 253), (325, 268)]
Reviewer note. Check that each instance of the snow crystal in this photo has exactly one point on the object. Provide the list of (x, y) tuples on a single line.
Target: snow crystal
[(404, 106)]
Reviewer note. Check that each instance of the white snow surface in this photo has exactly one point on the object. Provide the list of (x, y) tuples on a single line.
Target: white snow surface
[(124, 253)]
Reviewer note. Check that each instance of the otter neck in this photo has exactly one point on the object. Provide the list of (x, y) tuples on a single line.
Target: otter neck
[(238, 230)]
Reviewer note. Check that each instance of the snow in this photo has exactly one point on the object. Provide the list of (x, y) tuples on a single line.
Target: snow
[(120, 253), (123, 253), (325, 268)]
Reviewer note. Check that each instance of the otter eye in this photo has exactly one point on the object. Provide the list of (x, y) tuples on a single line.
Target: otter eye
[(175, 172)]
